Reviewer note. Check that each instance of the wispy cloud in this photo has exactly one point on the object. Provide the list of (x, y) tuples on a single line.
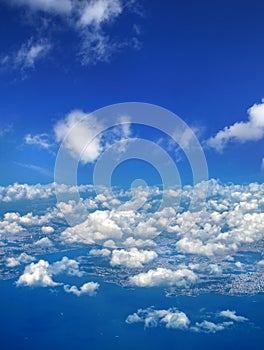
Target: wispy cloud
[(36, 168), (85, 18), (5, 129), (41, 140), (26, 57), (52, 6)]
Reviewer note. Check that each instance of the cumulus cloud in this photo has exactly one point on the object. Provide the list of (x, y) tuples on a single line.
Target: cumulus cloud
[(89, 289), (41, 274), (47, 229), (99, 226), (182, 277), (210, 327), (132, 258), (66, 265), (83, 138), (171, 318), (232, 316), (232, 219), (23, 258), (37, 275), (44, 242), (17, 192), (100, 252), (250, 130), (175, 319)]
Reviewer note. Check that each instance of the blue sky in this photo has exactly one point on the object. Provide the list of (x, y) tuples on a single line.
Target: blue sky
[(201, 60)]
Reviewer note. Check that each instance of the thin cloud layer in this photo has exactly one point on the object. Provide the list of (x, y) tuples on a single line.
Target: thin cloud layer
[(86, 19), (27, 56)]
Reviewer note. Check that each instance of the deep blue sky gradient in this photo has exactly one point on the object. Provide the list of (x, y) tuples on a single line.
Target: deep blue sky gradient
[(202, 60)]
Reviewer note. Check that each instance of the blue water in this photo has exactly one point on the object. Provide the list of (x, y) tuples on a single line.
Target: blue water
[(43, 319)]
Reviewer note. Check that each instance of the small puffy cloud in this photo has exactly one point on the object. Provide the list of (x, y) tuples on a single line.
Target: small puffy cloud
[(89, 289), (47, 229), (250, 130), (210, 327), (23, 258), (182, 277), (171, 318), (175, 319), (261, 263), (37, 275), (44, 242), (232, 316), (82, 132), (132, 258), (109, 244), (100, 252)]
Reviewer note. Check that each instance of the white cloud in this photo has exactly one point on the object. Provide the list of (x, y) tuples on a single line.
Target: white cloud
[(132, 258), (251, 130), (210, 327), (99, 226), (261, 263), (100, 252), (44, 242), (175, 319), (96, 12), (53, 6), (37, 275), (171, 318), (182, 277), (85, 18), (23, 258), (66, 265), (41, 273), (132, 242), (47, 229), (232, 316), (89, 289), (80, 129), (41, 140), (26, 57), (24, 191)]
